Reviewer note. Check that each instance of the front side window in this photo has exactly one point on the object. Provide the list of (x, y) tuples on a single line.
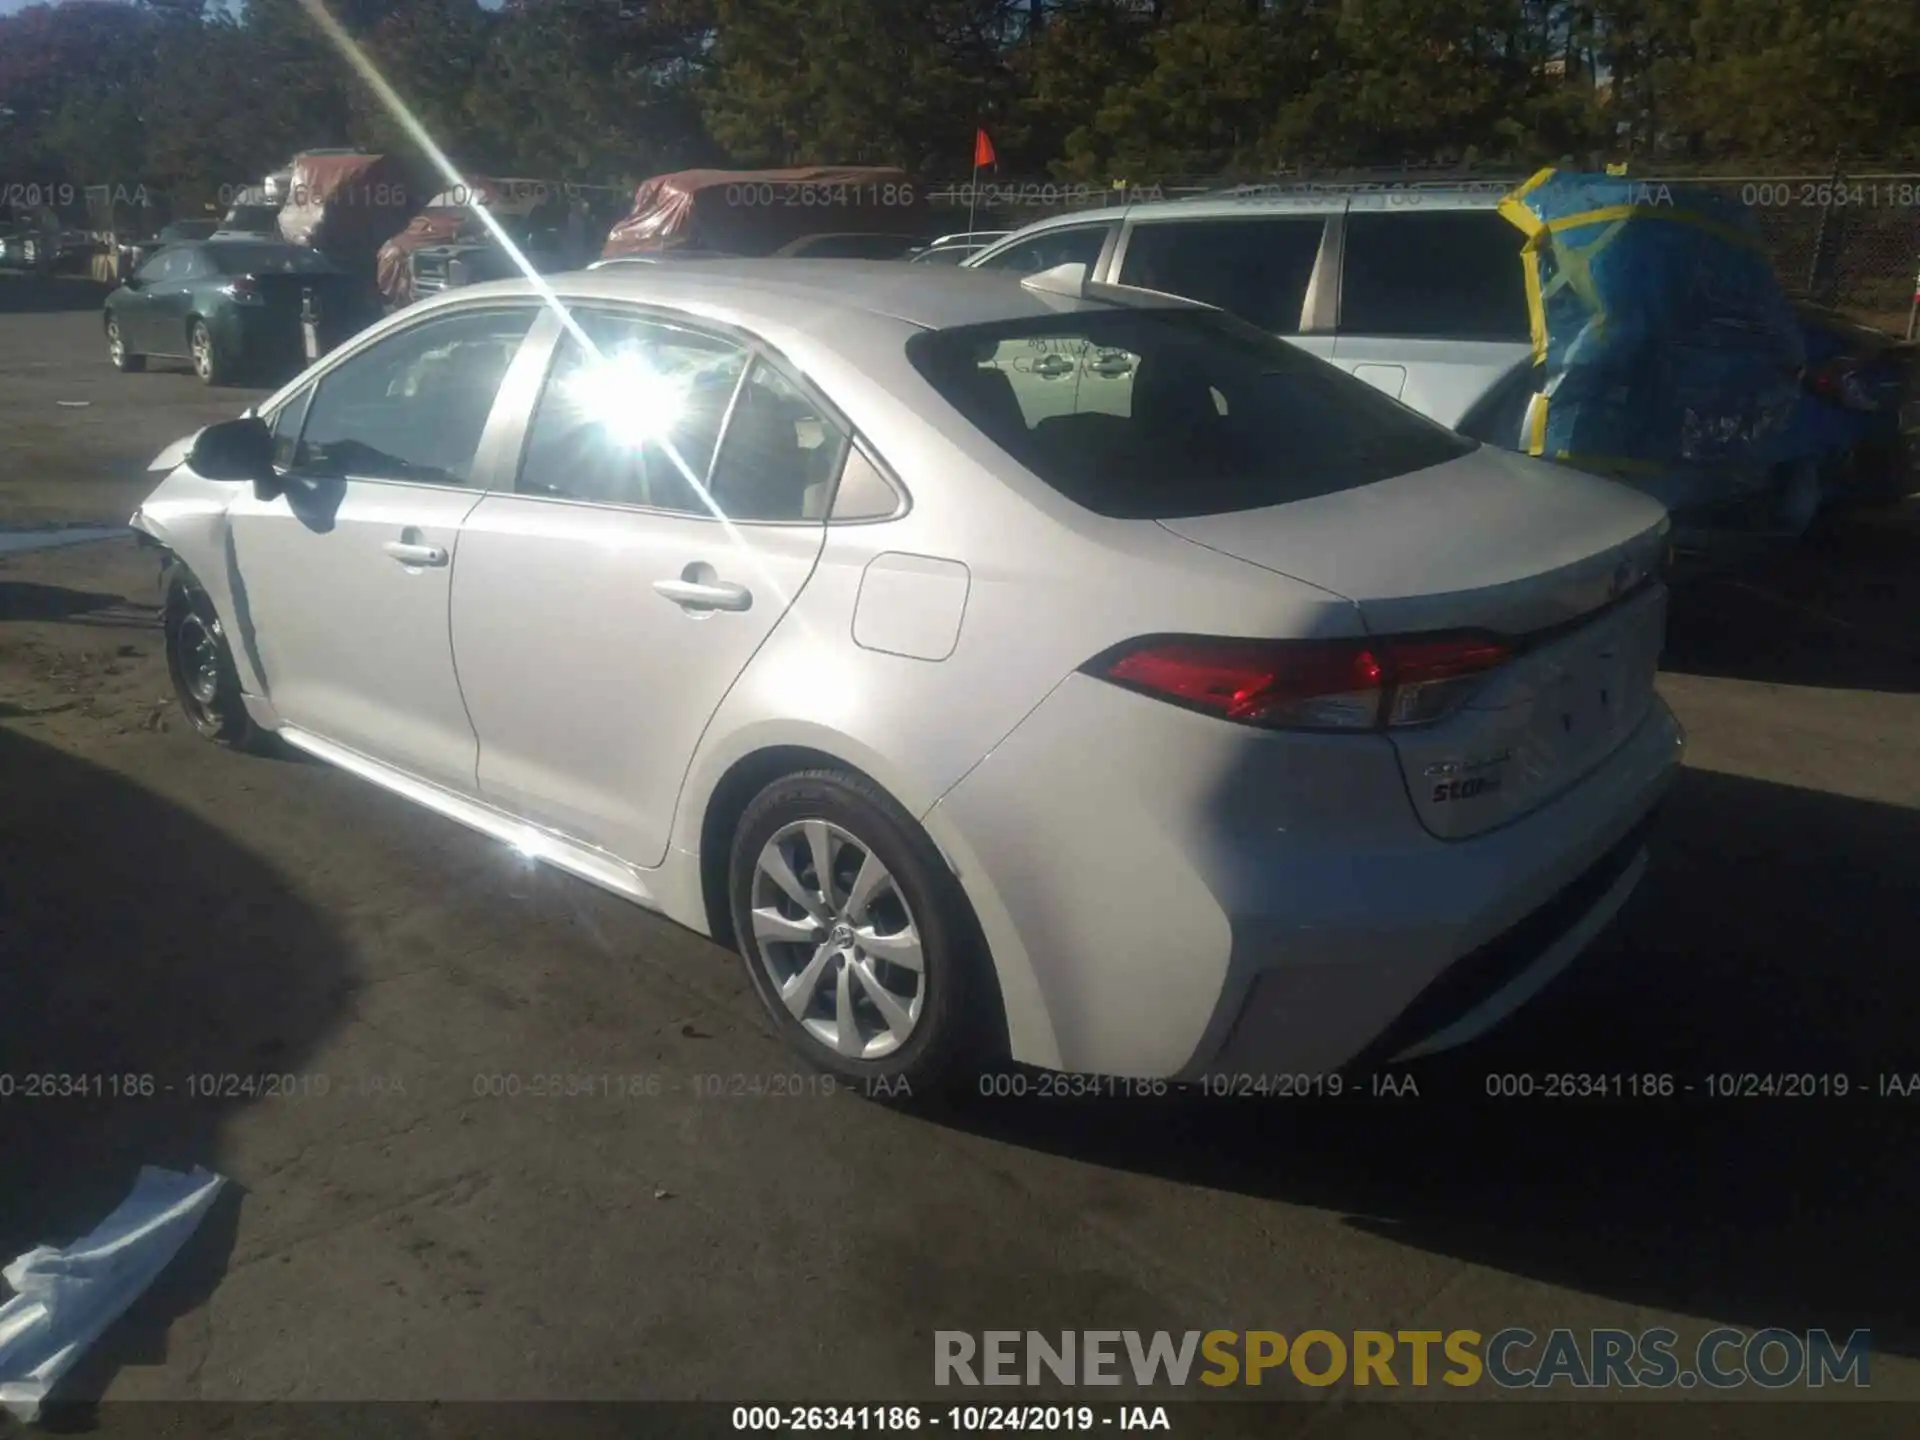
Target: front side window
[(287, 423), (1163, 414), (632, 416), (1256, 269), (1069, 245), (1437, 274), (414, 406)]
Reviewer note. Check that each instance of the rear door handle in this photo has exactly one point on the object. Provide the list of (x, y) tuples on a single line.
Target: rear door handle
[(408, 553), (706, 595)]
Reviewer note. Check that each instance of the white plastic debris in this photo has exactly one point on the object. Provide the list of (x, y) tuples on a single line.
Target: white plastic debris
[(64, 1298)]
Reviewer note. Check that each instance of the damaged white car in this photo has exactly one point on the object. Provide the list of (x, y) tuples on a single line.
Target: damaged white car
[(1004, 667)]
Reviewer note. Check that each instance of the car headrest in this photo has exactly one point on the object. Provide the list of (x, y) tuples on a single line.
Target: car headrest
[(761, 473)]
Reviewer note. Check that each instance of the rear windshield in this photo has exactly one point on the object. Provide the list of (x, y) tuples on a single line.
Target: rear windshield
[(1164, 414), (243, 257)]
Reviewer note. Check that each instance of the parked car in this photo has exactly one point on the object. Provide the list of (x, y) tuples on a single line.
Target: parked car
[(1381, 698), (852, 245), (952, 249), (474, 255), (40, 240), (133, 256), (234, 308), (21, 245), (1422, 294), (259, 221), (1859, 415)]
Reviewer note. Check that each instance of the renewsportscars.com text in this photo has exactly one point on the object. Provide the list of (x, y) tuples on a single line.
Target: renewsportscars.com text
[(1513, 1358)]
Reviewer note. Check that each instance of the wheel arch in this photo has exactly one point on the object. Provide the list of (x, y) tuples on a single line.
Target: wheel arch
[(745, 778), (1028, 1029)]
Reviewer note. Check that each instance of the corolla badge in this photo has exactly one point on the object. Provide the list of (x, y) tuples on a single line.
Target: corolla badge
[(1440, 770)]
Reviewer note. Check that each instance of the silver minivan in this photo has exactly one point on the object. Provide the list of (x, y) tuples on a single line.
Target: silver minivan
[(1418, 291)]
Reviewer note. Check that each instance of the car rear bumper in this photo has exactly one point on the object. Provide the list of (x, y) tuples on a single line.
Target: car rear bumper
[(1194, 898)]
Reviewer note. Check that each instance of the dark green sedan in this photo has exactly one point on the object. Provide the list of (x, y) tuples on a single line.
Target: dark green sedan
[(236, 309)]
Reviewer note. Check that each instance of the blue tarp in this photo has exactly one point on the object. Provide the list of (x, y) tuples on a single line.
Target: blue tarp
[(1662, 332)]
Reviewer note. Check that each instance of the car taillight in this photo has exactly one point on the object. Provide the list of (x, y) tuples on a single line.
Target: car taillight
[(1838, 382), (244, 288), (1308, 684)]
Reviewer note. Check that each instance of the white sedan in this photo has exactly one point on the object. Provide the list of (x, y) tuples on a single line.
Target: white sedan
[(1025, 669)]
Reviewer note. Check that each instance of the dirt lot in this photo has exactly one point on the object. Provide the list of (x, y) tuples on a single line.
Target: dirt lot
[(171, 910)]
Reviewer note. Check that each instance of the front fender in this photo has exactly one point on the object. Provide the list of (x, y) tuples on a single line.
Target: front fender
[(188, 517)]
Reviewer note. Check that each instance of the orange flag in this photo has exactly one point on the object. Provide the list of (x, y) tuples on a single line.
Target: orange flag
[(982, 150)]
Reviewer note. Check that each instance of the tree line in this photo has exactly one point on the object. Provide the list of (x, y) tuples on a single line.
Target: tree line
[(186, 98)]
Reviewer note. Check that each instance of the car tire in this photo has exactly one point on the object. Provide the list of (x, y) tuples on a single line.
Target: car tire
[(209, 364), (913, 1032), (124, 360), (206, 685)]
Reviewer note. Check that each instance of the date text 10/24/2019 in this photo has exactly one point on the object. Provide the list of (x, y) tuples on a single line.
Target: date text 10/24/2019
[(957, 1419)]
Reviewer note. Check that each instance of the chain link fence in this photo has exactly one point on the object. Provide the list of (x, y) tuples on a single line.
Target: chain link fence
[(1849, 239)]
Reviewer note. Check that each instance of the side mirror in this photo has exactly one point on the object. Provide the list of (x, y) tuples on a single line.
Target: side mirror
[(133, 282), (237, 450)]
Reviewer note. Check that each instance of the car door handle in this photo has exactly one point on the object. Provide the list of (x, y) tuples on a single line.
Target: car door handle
[(408, 553), (706, 595)]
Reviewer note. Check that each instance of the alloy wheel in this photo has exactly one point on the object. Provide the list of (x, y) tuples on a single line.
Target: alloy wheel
[(837, 940), (116, 347), (202, 346), (197, 654)]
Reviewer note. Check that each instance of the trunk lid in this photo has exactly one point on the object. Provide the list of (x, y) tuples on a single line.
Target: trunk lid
[(1559, 563)]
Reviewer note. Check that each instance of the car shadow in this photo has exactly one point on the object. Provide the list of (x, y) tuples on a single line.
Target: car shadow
[(29, 600), (43, 295), (1771, 935), (141, 947), (1838, 611)]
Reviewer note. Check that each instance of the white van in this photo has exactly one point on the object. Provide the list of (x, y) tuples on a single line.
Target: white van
[(1418, 291)]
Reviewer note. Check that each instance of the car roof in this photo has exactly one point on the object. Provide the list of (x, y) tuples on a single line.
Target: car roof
[(790, 293), (1285, 198)]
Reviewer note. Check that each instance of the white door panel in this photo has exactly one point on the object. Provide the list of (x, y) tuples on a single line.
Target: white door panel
[(1321, 345), (590, 687), (351, 636), (601, 610), (1443, 377)]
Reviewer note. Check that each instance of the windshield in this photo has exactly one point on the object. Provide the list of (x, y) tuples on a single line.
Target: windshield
[(1162, 414), (245, 258)]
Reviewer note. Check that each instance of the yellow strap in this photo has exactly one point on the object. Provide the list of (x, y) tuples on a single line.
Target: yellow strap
[(1536, 301), (1573, 269), (1514, 209), (1656, 212)]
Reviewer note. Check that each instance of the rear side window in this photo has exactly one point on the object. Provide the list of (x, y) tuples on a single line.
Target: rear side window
[(1162, 414), (1438, 274), (1257, 269), (1069, 245)]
